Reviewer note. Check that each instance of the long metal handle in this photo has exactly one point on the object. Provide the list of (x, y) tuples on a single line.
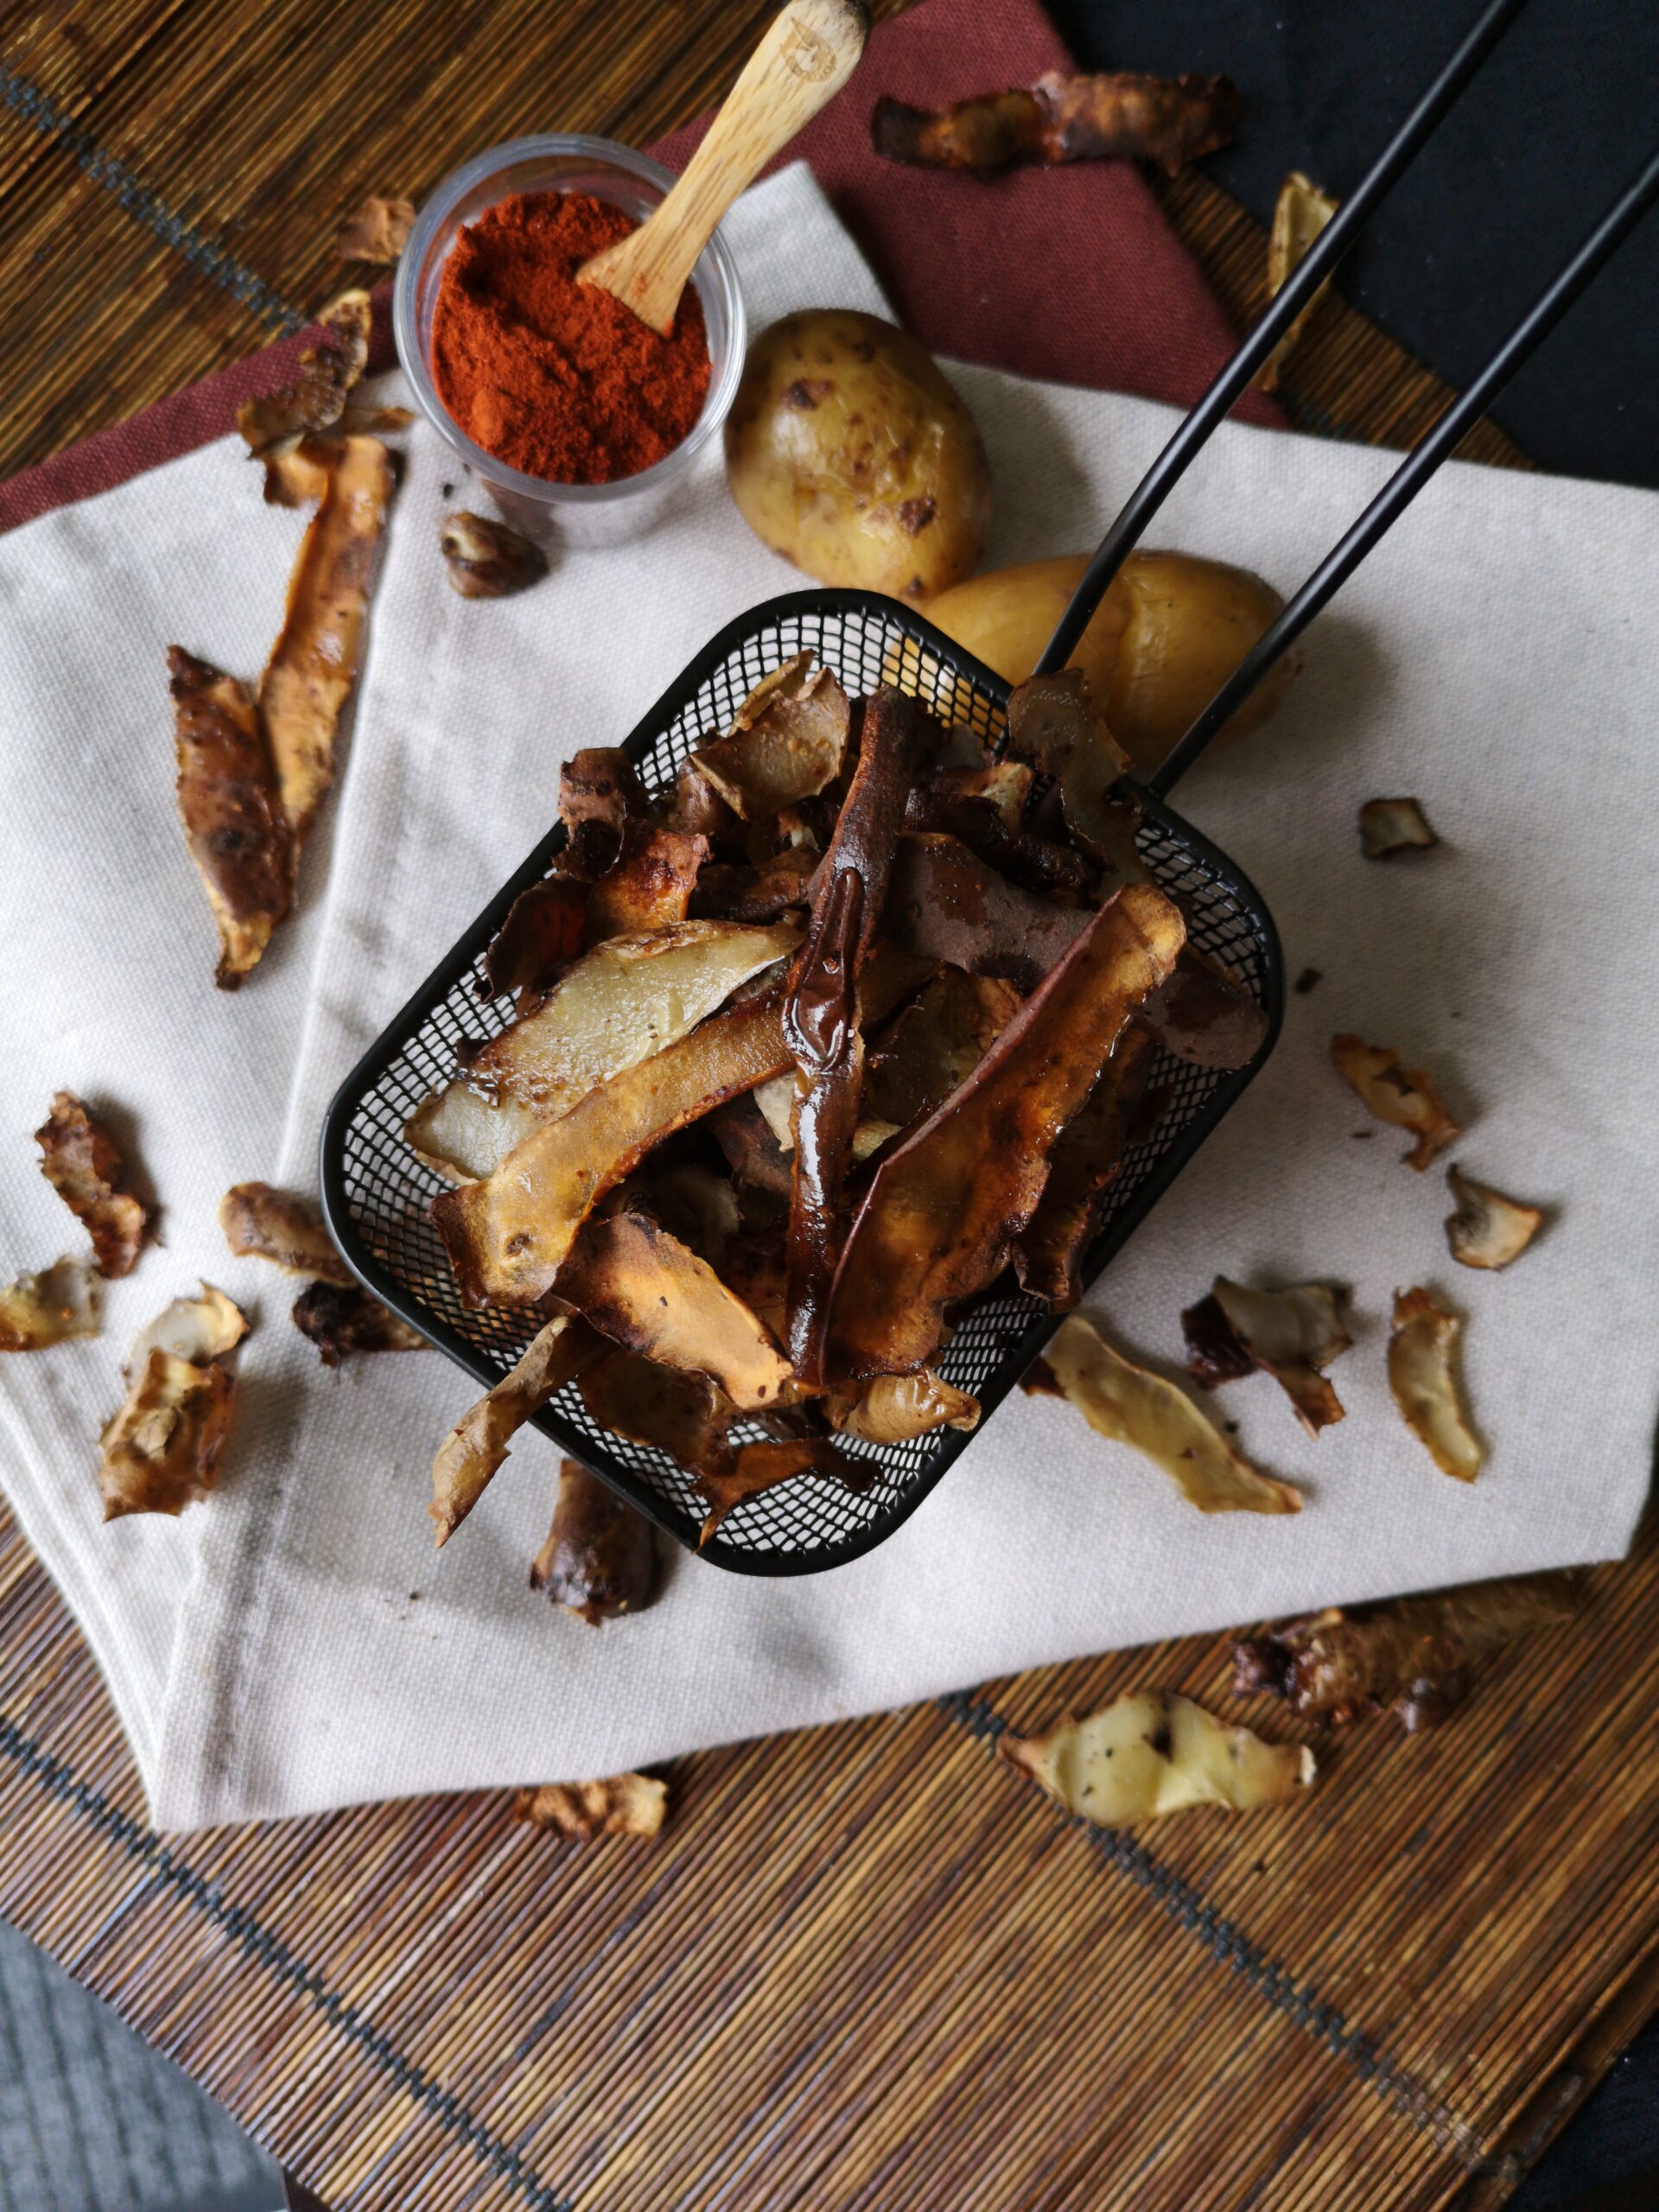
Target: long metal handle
[(1415, 471), (1328, 248)]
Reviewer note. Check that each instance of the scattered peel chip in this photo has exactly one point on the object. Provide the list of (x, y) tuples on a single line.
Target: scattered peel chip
[(1120, 115), (1291, 1334), (1152, 1752), (1488, 1230), (48, 1308), (316, 398), (600, 1560), (161, 1449), (82, 1161), (944, 903), (894, 1408), (341, 1320), (298, 475), (228, 797), (944, 1209), (477, 1443), (628, 1804), (936, 1043), (1404, 1097), (1205, 1016), (599, 794), (1299, 214), (683, 1413), (197, 1329), (1424, 1383), (261, 1223), (1152, 1416), (1050, 1251), (786, 742), (378, 231), (1419, 1656), (649, 884), (544, 930), (644, 1289), (485, 559), (313, 663), (756, 1467), (1387, 826)]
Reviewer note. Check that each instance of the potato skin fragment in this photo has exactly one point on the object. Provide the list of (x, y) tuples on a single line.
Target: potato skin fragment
[(238, 836), (600, 1560), (340, 1319), (1422, 1377), (37, 1310), (756, 1467), (1404, 1097), (477, 1443), (1121, 115), (376, 232), (316, 398), (1488, 1230), (1388, 827), (82, 1162), (1152, 1752), (786, 742), (162, 1450), (262, 1223), (628, 1804), (485, 560)]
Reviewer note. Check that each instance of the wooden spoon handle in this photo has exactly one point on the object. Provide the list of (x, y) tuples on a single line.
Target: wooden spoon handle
[(809, 52)]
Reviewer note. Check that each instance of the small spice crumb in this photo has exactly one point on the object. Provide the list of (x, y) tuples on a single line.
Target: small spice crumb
[(1362, 1136), (1307, 980)]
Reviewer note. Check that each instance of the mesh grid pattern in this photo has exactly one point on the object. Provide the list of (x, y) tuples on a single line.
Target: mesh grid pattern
[(377, 1191)]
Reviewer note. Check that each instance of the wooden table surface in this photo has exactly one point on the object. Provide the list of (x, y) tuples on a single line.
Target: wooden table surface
[(865, 1967)]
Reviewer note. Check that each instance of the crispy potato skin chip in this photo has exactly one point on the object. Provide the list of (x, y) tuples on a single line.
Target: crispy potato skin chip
[(261, 1223), (1488, 1230), (546, 929), (343, 1319), (1299, 214), (1049, 1251), (759, 1467), (477, 1443), (600, 1560), (82, 1161), (1205, 1016), (936, 1043), (636, 1284), (785, 745), (162, 1450), (508, 1237), (1404, 1097), (649, 884), (944, 903), (298, 475), (316, 399), (1388, 827), (893, 1408), (1152, 1752), (680, 1412), (1421, 1376), (1291, 1334), (485, 560), (376, 232), (238, 836), (599, 794), (40, 1310), (1112, 116), (1134, 1407), (942, 1215), (628, 1804), (314, 665), (1419, 1656)]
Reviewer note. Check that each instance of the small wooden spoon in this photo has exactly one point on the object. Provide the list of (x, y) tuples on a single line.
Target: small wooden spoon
[(809, 52)]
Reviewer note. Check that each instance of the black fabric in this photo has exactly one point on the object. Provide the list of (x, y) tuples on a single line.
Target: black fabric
[(1556, 124)]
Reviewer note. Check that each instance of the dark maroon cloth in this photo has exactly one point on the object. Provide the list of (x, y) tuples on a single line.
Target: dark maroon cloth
[(1071, 274)]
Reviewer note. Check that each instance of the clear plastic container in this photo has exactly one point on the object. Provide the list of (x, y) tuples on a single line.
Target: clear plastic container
[(582, 514)]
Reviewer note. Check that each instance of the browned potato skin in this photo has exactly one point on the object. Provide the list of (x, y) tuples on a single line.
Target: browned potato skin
[(848, 453), (1171, 628), (600, 1559)]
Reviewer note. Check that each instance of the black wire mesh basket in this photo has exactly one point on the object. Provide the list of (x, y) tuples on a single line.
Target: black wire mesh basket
[(376, 1192)]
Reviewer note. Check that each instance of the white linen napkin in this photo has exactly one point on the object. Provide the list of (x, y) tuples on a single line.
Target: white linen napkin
[(295, 1644)]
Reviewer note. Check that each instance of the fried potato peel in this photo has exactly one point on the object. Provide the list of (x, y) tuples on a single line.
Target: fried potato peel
[(1205, 1016), (936, 1043), (944, 903), (376, 232), (1488, 1230), (298, 475), (785, 744), (61, 1301), (485, 559), (1151, 1752), (316, 398), (508, 1237), (1119, 115), (1404, 1097), (1390, 826), (894, 1408), (628, 1804), (1291, 1334), (941, 1216), (82, 1162), (1299, 214), (1054, 724), (161, 1449), (599, 794), (228, 795), (600, 1560), (1419, 1656), (1049, 1251), (1421, 1376), (261, 1223), (643, 1288), (545, 929), (341, 1320), (681, 1412), (314, 665), (649, 884), (756, 1467), (477, 1443), (1134, 1407)]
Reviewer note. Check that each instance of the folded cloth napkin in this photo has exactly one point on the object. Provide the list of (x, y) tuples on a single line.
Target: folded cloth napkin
[(294, 1644)]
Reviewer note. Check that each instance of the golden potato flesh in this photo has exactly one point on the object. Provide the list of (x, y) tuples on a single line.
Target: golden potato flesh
[(1170, 630), (848, 453)]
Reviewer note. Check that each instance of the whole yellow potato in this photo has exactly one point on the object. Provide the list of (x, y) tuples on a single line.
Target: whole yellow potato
[(848, 453), (1170, 630)]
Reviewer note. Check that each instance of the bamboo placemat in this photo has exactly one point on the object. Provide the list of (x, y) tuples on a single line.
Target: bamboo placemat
[(866, 1966)]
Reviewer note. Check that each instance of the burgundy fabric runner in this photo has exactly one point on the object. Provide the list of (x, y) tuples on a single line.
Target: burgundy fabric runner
[(1071, 274)]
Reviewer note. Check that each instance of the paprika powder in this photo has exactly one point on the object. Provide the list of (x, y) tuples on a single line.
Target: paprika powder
[(558, 378)]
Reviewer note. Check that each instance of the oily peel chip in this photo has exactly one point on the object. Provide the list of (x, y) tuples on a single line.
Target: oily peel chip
[(895, 1409), (1291, 1334), (378, 231), (1132, 1406), (1110, 115), (232, 808), (262, 1223), (485, 559), (684, 1414), (600, 1560), (82, 1162), (1488, 1230), (649, 884), (317, 396), (198, 1330), (298, 475), (944, 904), (162, 1450), (477, 1443), (936, 1043), (1299, 214), (546, 929), (1388, 826), (758, 1467), (1050, 1251), (48, 1308), (341, 1320), (785, 744), (1404, 1097), (1151, 1752), (1422, 1376), (627, 1804)]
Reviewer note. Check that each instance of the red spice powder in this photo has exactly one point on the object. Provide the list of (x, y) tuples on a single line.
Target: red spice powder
[(555, 378)]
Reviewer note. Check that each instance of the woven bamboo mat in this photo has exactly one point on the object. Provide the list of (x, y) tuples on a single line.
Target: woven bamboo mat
[(866, 1968)]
